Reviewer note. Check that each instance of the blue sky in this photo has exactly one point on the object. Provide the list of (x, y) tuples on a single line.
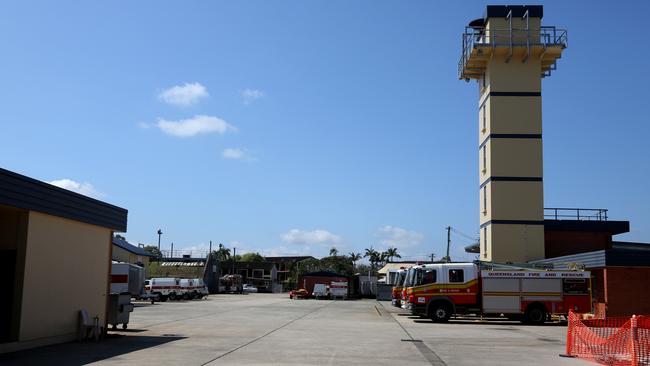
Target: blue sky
[(299, 125)]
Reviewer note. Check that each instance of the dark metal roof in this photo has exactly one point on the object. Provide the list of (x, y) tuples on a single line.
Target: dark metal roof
[(630, 245), (30, 194), (501, 11), (130, 247), (612, 227)]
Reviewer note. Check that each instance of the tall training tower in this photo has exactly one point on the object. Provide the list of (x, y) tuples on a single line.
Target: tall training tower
[(508, 52)]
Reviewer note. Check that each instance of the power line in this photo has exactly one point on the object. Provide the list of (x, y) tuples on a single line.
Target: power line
[(473, 238)]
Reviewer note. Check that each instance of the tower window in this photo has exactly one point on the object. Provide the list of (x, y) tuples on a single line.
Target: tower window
[(485, 242), (484, 159), (484, 119), (484, 200)]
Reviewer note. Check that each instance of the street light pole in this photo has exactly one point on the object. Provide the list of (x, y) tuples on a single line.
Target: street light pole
[(159, 235)]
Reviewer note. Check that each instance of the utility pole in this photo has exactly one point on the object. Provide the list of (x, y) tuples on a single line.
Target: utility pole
[(171, 255), (234, 253), (448, 242), (432, 255), (210, 250)]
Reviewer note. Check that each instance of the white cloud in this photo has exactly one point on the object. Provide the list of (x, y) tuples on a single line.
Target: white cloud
[(196, 125), (237, 154), (251, 95), (85, 188), (307, 237), (393, 236), (183, 95), (233, 153)]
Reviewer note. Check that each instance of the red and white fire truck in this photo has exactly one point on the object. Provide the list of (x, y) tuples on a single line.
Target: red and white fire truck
[(531, 295)]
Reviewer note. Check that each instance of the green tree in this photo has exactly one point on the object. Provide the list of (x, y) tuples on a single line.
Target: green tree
[(392, 253), (337, 264), (222, 254), (373, 257), (334, 252), (354, 257), (151, 249), (252, 257)]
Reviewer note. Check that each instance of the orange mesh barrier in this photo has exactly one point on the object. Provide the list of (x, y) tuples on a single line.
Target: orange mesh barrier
[(611, 341)]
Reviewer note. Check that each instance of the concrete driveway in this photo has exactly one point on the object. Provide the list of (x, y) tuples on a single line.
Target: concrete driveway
[(270, 329)]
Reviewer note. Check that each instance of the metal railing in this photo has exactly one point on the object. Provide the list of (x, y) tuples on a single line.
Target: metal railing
[(580, 214), (481, 37), (182, 253)]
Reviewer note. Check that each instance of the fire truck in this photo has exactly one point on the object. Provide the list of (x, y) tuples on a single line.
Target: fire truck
[(396, 294), (531, 295)]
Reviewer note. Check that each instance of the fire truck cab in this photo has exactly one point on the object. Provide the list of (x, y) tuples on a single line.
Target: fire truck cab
[(396, 293), (441, 290)]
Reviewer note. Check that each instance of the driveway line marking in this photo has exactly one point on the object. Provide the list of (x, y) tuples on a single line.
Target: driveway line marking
[(426, 352), (264, 335)]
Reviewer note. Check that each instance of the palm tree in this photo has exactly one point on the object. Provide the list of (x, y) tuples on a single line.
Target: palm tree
[(223, 254), (383, 257), (373, 257), (392, 253), (334, 252), (354, 257)]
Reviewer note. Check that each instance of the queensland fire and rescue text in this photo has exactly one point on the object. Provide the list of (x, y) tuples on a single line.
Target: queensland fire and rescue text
[(531, 295)]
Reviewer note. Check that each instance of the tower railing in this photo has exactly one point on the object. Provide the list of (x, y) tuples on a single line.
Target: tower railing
[(543, 37), (580, 214)]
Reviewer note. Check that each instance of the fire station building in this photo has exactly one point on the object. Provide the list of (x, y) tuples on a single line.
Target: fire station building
[(55, 255)]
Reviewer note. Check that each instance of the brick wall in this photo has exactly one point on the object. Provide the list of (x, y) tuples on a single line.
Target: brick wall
[(558, 243), (627, 290)]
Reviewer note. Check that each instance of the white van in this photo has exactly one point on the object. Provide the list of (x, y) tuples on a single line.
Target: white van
[(321, 291), (200, 289), (164, 287), (339, 289), (193, 288)]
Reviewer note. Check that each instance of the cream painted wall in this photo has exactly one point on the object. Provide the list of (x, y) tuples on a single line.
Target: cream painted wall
[(515, 201), (498, 29), (522, 117), (514, 76), (122, 255), (517, 23), (66, 270), (515, 157), (518, 243)]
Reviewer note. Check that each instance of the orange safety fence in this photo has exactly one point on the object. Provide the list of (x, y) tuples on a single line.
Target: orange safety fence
[(610, 341)]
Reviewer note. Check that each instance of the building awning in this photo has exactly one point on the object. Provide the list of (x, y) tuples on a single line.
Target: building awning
[(33, 195), (395, 266)]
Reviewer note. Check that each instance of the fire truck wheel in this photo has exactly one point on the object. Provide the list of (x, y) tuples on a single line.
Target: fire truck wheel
[(440, 312), (172, 296), (163, 298), (535, 314)]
